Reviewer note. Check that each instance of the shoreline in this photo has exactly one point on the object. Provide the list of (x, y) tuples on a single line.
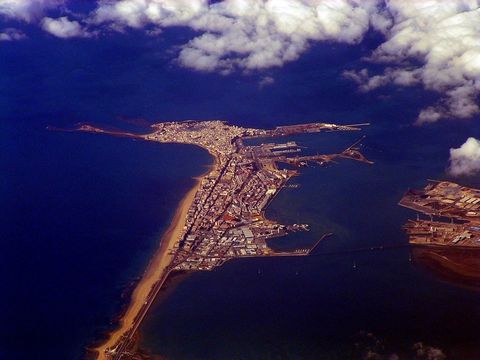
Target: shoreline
[(169, 287), (155, 268), (252, 173)]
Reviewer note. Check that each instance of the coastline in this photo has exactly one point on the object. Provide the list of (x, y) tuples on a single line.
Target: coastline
[(155, 269), (236, 170)]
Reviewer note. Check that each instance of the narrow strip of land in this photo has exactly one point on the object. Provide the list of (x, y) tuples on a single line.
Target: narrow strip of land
[(157, 269), (223, 216)]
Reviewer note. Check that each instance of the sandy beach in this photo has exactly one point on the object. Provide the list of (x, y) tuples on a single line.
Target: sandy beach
[(155, 270)]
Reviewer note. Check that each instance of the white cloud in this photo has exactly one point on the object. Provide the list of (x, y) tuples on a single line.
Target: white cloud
[(259, 34), (63, 27), (245, 34), (27, 10), (439, 40), (423, 351), (465, 160), (430, 114), (11, 34), (138, 13), (431, 43), (266, 81), (402, 77)]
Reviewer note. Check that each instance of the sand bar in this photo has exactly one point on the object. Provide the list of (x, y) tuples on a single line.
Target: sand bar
[(155, 271)]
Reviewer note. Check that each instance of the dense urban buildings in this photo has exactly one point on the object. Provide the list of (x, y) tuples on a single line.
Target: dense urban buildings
[(225, 218)]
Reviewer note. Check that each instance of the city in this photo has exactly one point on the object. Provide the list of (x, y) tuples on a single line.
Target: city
[(225, 219)]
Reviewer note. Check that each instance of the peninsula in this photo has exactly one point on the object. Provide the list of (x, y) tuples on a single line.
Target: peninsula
[(222, 217)]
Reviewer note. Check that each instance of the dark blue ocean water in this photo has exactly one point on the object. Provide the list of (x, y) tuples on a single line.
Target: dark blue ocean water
[(313, 308), (80, 215), (80, 218)]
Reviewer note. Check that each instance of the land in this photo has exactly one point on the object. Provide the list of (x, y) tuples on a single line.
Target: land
[(155, 276), (453, 215), (223, 216), (458, 266)]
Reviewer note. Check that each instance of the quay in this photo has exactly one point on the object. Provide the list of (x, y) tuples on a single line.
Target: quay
[(453, 215)]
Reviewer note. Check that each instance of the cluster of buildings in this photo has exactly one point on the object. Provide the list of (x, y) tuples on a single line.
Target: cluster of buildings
[(214, 135), (226, 219), (457, 212)]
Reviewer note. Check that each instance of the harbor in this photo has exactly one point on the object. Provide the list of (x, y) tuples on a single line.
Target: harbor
[(223, 215)]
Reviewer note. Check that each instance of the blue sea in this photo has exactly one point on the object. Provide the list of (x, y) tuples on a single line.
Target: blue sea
[(82, 214)]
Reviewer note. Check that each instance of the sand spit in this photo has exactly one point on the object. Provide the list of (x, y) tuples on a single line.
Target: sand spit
[(155, 270)]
